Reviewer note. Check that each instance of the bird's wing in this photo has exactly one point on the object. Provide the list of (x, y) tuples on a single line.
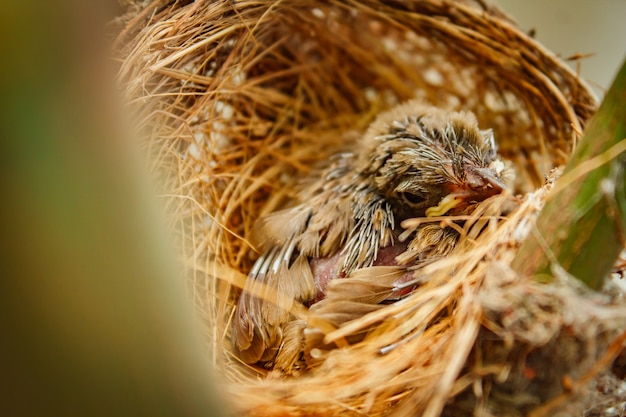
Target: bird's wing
[(283, 274), (336, 212), (268, 296), (372, 230)]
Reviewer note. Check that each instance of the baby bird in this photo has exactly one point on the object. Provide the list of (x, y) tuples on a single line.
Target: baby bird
[(413, 161)]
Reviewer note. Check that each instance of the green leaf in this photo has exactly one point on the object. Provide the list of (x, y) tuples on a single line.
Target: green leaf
[(581, 228)]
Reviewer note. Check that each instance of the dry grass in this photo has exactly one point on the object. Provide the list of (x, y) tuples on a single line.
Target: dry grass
[(240, 98)]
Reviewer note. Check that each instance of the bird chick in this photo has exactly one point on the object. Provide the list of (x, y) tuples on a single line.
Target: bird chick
[(413, 161)]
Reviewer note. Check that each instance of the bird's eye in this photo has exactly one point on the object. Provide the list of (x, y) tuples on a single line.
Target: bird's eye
[(411, 199)]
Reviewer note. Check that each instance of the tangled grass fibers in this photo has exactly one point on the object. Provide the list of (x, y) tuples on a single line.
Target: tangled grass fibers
[(241, 98)]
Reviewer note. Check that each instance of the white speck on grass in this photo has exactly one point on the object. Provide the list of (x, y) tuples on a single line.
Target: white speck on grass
[(319, 13), (194, 151), (238, 77), (199, 137), (433, 77), (390, 44), (219, 141), (217, 127), (453, 101), (371, 94), (225, 110)]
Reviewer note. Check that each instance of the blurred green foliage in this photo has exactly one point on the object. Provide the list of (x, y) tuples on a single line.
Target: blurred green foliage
[(94, 317), (582, 228)]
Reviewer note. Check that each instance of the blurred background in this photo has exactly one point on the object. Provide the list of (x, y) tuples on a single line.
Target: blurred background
[(569, 27)]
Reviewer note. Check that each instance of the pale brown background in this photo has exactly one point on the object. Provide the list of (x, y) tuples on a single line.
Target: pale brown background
[(568, 27)]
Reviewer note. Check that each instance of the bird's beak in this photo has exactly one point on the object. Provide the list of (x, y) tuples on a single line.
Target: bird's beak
[(445, 205), (479, 184), (483, 182)]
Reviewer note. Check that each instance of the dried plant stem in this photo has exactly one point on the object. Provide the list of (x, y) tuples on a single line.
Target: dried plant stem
[(581, 228)]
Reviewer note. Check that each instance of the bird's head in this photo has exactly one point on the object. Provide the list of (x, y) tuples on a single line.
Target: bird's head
[(429, 162)]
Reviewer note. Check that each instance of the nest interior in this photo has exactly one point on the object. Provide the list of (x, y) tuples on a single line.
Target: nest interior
[(240, 99)]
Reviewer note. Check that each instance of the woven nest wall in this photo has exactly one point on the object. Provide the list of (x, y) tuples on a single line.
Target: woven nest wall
[(240, 99)]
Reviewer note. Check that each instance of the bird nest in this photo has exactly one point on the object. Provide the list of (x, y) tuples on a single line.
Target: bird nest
[(240, 99)]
